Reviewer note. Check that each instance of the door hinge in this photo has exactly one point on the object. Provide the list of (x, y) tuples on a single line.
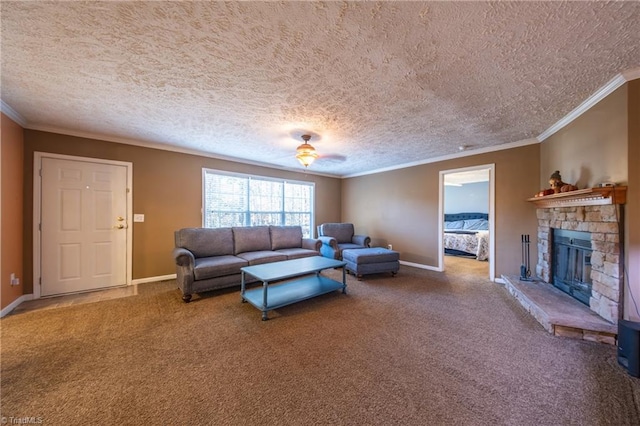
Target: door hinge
[(40, 280), (128, 190)]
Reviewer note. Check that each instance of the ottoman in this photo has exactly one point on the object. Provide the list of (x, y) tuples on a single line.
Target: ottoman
[(371, 261)]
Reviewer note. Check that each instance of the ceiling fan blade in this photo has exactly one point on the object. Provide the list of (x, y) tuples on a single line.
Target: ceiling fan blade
[(332, 158)]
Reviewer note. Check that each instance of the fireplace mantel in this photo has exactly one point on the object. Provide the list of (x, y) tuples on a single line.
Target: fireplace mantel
[(602, 196)]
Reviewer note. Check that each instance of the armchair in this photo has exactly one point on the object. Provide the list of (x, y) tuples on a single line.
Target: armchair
[(337, 237)]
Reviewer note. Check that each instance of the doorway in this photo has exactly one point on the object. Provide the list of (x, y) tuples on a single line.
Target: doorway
[(82, 211), (475, 194)]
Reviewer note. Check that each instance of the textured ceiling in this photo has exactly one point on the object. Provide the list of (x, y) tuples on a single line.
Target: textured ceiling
[(378, 84)]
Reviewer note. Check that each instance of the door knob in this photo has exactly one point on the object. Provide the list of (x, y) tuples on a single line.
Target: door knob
[(119, 226), (120, 218)]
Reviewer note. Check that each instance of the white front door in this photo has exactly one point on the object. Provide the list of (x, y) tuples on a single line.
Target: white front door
[(83, 225)]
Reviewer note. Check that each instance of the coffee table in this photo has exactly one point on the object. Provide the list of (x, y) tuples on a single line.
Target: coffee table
[(310, 284)]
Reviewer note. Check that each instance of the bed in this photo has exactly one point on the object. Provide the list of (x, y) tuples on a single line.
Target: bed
[(467, 234)]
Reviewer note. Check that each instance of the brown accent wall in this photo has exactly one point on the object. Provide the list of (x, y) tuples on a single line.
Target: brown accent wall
[(167, 189), (11, 157), (632, 246), (591, 149), (401, 206), (601, 145)]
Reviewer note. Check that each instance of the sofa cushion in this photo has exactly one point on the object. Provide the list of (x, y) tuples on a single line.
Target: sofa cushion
[(205, 242), (285, 237), (342, 232), (217, 266), (362, 256), (349, 246), (260, 257), (251, 238), (297, 253)]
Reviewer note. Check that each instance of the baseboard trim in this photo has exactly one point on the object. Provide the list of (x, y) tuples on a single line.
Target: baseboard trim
[(11, 306), (154, 279), (500, 281), (420, 266)]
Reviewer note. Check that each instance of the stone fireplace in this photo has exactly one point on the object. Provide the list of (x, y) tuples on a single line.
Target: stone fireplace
[(598, 213)]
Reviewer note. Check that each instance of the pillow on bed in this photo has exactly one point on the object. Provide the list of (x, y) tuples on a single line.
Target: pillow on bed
[(456, 224), (476, 225)]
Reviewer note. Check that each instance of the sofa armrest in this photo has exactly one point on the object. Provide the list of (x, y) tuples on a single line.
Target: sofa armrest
[(185, 262), (330, 241), (311, 244), (361, 240), (184, 257), (329, 247)]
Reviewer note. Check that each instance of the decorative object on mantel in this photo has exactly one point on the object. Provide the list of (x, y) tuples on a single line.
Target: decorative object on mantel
[(545, 192), (556, 183), (568, 187), (600, 196), (557, 186)]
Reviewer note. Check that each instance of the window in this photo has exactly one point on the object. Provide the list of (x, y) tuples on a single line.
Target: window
[(233, 199)]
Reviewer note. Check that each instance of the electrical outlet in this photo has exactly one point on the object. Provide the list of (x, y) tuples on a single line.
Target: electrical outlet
[(138, 218), (390, 246), (14, 279)]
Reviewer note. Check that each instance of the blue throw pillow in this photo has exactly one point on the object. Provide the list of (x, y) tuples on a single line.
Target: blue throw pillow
[(457, 224), (476, 225)]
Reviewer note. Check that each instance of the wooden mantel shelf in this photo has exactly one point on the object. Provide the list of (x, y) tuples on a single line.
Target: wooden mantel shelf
[(607, 195)]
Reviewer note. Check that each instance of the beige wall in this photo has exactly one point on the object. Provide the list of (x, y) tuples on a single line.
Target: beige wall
[(167, 189), (632, 240), (11, 167), (602, 145), (401, 206), (593, 148)]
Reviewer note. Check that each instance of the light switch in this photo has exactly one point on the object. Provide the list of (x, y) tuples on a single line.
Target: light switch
[(138, 218)]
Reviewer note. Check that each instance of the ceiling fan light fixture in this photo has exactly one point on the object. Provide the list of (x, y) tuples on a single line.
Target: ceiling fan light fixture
[(305, 153)]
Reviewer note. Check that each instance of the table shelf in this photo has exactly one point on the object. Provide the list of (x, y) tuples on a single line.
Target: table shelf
[(286, 293), (308, 283)]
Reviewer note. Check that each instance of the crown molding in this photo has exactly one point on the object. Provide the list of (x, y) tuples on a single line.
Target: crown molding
[(468, 153), (170, 148), (12, 114), (599, 95), (632, 74)]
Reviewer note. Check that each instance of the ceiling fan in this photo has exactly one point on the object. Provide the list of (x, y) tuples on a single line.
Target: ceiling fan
[(306, 154)]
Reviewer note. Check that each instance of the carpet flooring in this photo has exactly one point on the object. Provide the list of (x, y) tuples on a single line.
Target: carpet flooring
[(422, 348)]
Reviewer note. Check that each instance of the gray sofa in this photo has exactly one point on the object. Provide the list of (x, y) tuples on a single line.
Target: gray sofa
[(211, 258), (337, 237)]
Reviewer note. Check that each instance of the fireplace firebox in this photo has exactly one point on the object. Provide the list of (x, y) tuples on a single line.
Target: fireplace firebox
[(572, 263)]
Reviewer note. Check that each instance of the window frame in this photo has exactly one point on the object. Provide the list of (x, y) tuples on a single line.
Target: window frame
[(249, 212)]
